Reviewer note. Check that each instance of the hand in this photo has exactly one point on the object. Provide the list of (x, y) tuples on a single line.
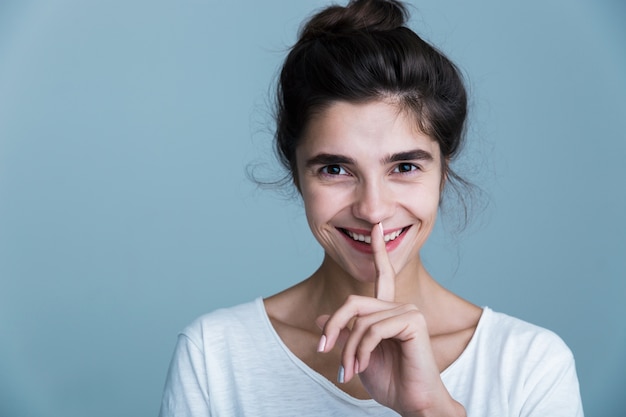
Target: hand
[(388, 346)]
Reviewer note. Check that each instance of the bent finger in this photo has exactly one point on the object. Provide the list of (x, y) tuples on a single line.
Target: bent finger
[(324, 344), (363, 325), (405, 328), (355, 306)]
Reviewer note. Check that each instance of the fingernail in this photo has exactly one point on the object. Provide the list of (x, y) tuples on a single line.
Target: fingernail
[(341, 375), (356, 366), (382, 231), (322, 344)]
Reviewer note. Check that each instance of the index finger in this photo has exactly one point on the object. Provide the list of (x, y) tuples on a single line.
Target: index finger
[(385, 275)]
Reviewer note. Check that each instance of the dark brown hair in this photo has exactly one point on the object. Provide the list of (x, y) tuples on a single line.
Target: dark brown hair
[(361, 52)]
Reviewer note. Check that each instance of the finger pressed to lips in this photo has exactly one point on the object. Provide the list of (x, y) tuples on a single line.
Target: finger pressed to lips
[(385, 275), (373, 318)]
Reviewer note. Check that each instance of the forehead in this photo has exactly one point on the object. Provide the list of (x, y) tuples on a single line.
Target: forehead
[(373, 128)]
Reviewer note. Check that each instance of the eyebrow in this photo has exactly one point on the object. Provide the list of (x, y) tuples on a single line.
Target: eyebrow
[(329, 159), (414, 155), (332, 159)]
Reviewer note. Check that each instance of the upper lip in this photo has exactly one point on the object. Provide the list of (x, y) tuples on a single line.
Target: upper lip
[(389, 235), (367, 232)]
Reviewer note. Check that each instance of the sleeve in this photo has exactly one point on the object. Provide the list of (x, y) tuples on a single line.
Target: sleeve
[(553, 390), (186, 387)]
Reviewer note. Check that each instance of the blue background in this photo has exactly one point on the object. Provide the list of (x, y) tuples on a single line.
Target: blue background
[(125, 131)]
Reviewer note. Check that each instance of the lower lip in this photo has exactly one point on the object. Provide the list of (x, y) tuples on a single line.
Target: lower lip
[(367, 248)]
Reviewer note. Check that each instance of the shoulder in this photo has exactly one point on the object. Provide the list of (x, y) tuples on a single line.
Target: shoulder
[(516, 335), (515, 368), (521, 352), (533, 363), (226, 324)]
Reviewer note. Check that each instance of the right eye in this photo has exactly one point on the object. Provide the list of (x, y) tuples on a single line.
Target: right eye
[(333, 170)]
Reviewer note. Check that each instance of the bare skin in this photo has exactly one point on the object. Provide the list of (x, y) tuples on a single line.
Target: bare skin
[(363, 167), (295, 314), (449, 335)]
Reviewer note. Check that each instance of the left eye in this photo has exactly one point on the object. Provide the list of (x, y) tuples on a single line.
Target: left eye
[(333, 170), (405, 167)]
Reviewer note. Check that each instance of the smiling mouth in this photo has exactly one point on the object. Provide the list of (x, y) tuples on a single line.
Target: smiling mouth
[(368, 238)]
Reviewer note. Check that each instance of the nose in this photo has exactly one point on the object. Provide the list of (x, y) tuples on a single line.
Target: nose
[(374, 202)]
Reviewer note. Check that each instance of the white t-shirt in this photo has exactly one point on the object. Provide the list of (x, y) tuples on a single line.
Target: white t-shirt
[(233, 363)]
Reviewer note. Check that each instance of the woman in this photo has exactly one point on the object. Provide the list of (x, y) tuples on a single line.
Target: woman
[(369, 118)]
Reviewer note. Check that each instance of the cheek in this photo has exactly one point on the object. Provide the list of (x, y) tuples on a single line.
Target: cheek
[(432, 212), (316, 208), (432, 206), (423, 202), (323, 207)]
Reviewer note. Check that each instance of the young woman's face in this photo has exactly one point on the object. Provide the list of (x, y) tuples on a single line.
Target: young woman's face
[(360, 164)]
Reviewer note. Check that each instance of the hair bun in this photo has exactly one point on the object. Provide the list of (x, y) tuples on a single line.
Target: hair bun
[(369, 15)]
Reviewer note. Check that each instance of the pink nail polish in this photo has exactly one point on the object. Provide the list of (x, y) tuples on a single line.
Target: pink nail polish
[(382, 231), (322, 344)]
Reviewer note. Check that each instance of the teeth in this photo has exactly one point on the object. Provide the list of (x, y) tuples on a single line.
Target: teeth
[(392, 236), (368, 239)]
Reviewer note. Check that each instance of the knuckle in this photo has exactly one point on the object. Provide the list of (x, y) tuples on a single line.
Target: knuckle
[(352, 299), (411, 309), (417, 317), (376, 330), (359, 324)]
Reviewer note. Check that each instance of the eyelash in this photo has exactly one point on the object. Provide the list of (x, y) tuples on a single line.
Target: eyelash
[(324, 170), (342, 171), (412, 167)]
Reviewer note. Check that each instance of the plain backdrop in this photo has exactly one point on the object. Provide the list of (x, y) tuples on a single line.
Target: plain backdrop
[(127, 128)]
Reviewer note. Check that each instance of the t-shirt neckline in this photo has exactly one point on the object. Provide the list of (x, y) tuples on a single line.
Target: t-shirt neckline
[(329, 386), (306, 369)]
